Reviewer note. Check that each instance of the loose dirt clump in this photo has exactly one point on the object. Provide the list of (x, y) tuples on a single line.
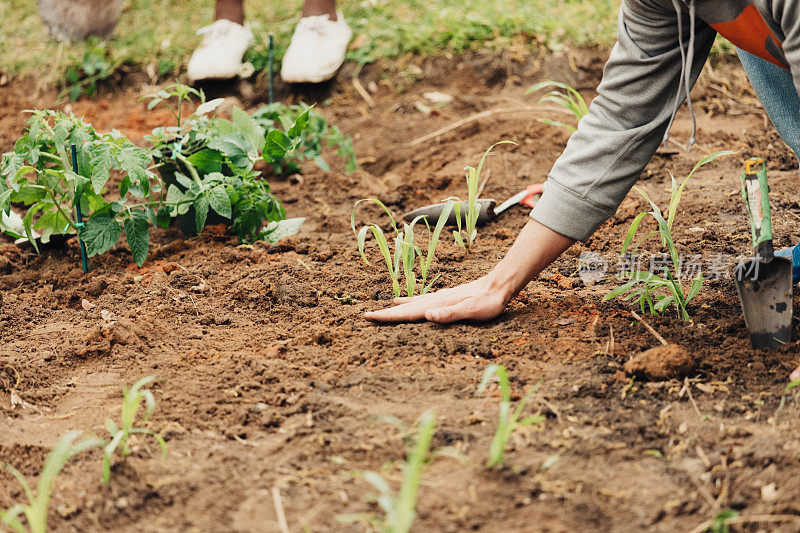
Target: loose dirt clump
[(668, 361)]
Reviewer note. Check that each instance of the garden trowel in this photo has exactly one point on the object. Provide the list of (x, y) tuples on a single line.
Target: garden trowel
[(488, 209), (764, 283)]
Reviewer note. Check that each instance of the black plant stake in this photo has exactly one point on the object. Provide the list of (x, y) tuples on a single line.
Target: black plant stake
[(271, 69), (84, 260)]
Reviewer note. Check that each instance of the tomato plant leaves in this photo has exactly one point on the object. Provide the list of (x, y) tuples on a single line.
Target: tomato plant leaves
[(277, 230), (101, 233), (201, 205), (137, 233), (102, 161), (220, 202)]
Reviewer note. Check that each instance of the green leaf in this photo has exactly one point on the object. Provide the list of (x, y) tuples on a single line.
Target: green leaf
[(632, 231), (277, 143), (102, 161), (163, 218), (709, 158), (235, 147), (208, 107), (184, 181), (101, 233), (322, 164), (300, 123), (249, 128), (206, 160), (220, 201), (277, 230), (201, 205), (174, 196), (51, 222), (137, 232)]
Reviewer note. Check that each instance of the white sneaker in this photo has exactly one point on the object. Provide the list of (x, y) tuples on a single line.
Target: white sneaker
[(317, 49), (220, 54)]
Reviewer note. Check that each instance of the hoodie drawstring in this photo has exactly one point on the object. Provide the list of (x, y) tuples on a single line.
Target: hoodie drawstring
[(684, 82)]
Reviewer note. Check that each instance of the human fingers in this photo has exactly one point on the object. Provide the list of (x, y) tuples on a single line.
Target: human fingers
[(407, 312), (795, 375), (441, 297), (467, 309)]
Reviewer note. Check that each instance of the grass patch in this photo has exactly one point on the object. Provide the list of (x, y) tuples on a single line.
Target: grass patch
[(382, 29)]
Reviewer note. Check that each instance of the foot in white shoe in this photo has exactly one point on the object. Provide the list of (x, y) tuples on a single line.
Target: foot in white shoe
[(220, 54), (317, 49)]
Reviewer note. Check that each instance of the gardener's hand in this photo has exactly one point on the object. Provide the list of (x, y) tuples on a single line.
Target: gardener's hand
[(481, 299), (795, 375), (536, 247)]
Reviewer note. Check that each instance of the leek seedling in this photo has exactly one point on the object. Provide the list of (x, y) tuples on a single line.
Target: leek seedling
[(571, 100), (507, 421), (405, 252), (471, 219), (426, 259), (400, 508), (655, 293), (35, 511), (131, 401)]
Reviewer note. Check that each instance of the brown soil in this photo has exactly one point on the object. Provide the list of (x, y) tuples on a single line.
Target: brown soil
[(270, 377)]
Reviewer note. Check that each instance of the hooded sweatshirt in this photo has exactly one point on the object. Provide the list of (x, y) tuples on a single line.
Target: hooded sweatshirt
[(648, 74)]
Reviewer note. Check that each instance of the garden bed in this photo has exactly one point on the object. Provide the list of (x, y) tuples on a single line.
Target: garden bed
[(270, 377)]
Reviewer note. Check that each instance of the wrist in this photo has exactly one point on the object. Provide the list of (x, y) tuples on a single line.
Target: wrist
[(503, 282)]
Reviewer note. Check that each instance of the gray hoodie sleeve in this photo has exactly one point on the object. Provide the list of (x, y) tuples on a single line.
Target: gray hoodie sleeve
[(787, 13), (626, 121)]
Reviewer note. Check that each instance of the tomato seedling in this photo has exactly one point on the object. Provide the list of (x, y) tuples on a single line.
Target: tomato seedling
[(39, 175), (208, 164)]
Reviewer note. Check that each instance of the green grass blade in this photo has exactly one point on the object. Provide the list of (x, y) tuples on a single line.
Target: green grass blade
[(556, 123), (433, 242), (412, 475), (632, 231), (710, 158)]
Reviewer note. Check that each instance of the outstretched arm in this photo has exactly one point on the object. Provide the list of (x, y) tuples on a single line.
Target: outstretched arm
[(536, 247)]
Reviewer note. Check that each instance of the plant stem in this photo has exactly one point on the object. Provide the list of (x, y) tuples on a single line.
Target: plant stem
[(52, 196), (191, 168)]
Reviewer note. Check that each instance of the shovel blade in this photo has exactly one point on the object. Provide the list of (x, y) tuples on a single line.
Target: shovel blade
[(432, 212), (765, 292)]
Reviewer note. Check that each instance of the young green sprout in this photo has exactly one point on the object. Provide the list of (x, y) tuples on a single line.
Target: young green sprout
[(400, 508), (473, 209), (652, 292), (405, 251), (35, 511), (571, 100), (131, 401), (507, 421)]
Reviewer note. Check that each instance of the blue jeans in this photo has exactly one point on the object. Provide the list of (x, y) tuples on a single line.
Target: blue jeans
[(775, 88)]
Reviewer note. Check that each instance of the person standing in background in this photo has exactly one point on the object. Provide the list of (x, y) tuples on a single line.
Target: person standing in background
[(315, 53)]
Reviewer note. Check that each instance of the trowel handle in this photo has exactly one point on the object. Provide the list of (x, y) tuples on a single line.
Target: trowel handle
[(755, 193)]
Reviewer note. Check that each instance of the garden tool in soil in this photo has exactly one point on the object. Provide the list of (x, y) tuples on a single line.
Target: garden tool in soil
[(764, 283), (488, 208)]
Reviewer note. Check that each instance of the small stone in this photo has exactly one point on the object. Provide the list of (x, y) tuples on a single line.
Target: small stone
[(769, 493), (660, 363)]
